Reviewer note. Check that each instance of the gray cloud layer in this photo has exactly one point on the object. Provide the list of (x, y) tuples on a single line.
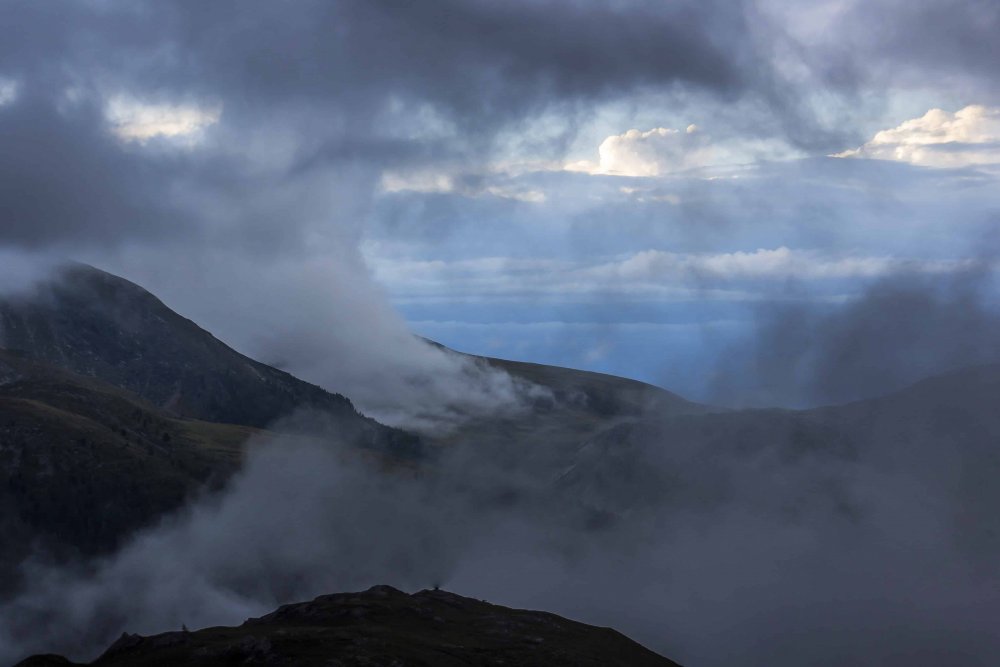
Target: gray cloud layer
[(316, 84), (847, 536), (317, 77)]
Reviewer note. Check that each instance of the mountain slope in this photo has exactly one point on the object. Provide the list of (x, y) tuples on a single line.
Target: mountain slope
[(384, 626), (943, 431), (573, 407), (95, 324), (601, 394), (83, 464), (114, 411)]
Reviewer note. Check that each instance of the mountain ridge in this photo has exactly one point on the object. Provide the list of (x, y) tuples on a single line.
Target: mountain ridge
[(97, 324), (383, 626)]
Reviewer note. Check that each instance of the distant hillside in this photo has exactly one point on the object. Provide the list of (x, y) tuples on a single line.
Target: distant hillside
[(601, 394), (579, 406), (384, 626), (943, 430)]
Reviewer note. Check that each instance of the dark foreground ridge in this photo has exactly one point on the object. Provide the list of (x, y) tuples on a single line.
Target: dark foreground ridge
[(384, 626)]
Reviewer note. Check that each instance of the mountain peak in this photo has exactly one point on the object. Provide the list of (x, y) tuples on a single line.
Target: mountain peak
[(97, 324)]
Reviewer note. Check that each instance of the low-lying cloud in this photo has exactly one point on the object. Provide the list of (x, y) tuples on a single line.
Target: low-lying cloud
[(796, 538), (896, 332)]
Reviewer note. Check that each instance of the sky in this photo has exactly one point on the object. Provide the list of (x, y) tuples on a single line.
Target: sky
[(618, 186), (749, 202)]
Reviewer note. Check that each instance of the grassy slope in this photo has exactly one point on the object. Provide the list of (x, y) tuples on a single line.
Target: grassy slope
[(83, 464)]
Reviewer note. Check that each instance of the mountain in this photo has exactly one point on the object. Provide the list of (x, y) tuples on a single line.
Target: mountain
[(600, 395), (83, 463), (384, 626), (109, 396), (115, 410), (98, 325), (573, 407)]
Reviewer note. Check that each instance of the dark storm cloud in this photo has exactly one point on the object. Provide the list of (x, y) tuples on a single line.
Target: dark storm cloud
[(319, 78), (323, 78), (488, 59), (64, 178), (929, 38)]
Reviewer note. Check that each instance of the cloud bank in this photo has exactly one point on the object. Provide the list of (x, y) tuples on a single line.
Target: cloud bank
[(797, 538), (967, 137)]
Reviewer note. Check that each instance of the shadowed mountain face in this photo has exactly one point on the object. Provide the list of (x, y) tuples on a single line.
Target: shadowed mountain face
[(83, 463), (114, 410), (384, 626), (96, 324)]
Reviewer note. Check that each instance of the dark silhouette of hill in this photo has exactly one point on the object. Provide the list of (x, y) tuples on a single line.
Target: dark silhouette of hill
[(384, 626)]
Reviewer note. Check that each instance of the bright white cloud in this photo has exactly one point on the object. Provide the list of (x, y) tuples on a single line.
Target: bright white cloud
[(662, 151), (969, 136), (652, 153), (132, 120)]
